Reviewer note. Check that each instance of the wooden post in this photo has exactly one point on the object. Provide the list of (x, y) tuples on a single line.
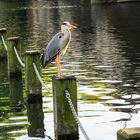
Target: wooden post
[(16, 93), (33, 86), (36, 119), (65, 126), (14, 67), (15, 75), (3, 52), (129, 134)]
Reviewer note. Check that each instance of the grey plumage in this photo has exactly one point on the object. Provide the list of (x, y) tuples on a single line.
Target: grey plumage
[(57, 46)]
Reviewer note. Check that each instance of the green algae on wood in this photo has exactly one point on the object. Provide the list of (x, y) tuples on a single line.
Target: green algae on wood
[(14, 67), (65, 125), (33, 86)]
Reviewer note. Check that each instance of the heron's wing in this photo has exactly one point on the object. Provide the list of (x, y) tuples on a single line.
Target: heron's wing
[(55, 46)]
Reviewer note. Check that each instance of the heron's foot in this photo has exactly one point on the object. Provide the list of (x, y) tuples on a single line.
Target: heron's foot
[(60, 74)]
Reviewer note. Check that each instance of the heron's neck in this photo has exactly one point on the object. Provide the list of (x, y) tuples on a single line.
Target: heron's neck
[(67, 32)]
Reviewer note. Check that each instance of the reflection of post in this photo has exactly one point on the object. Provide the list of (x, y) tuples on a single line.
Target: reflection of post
[(3, 53), (35, 117), (16, 93)]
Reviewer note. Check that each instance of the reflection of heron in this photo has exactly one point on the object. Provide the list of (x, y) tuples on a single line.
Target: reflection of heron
[(57, 46)]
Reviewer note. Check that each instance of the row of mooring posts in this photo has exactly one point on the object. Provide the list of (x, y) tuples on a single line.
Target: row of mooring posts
[(65, 126), (65, 111)]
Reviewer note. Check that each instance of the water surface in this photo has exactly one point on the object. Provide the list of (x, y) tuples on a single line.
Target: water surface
[(104, 55)]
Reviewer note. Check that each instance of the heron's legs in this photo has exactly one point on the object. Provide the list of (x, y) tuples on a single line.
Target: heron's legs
[(58, 65)]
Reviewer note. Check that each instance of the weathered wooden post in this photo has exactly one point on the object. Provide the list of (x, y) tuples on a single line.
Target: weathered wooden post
[(15, 75), (33, 86), (36, 119), (129, 134), (3, 51), (14, 67), (65, 125), (16, 93)]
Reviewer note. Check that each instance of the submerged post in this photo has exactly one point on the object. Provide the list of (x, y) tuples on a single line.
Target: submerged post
[(33, 86), (14, 67), (3, 51), (129, 134), (65, 125)]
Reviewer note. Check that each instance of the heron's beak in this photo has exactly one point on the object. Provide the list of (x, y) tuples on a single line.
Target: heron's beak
[(72, 27)]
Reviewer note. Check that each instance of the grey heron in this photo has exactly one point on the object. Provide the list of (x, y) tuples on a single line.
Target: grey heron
[(57, 46)]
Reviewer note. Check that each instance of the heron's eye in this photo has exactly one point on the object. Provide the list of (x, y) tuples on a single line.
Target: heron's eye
[(60, 36), (64, 23)]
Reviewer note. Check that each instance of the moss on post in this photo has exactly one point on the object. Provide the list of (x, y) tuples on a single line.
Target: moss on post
[(65, 125), (33, 86), (15, 74), (3, 52), (16, 93), (14, 67), (36, 120)]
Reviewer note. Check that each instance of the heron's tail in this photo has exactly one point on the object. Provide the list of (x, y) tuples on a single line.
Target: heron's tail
[(43, 62)]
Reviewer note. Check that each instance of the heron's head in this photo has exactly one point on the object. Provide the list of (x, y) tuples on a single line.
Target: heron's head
[(67, 25)]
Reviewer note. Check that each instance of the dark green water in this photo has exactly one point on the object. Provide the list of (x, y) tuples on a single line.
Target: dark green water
[(104, 55)]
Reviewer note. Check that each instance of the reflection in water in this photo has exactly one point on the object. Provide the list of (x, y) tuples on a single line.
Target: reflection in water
[(104, 56), (35, 117)]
